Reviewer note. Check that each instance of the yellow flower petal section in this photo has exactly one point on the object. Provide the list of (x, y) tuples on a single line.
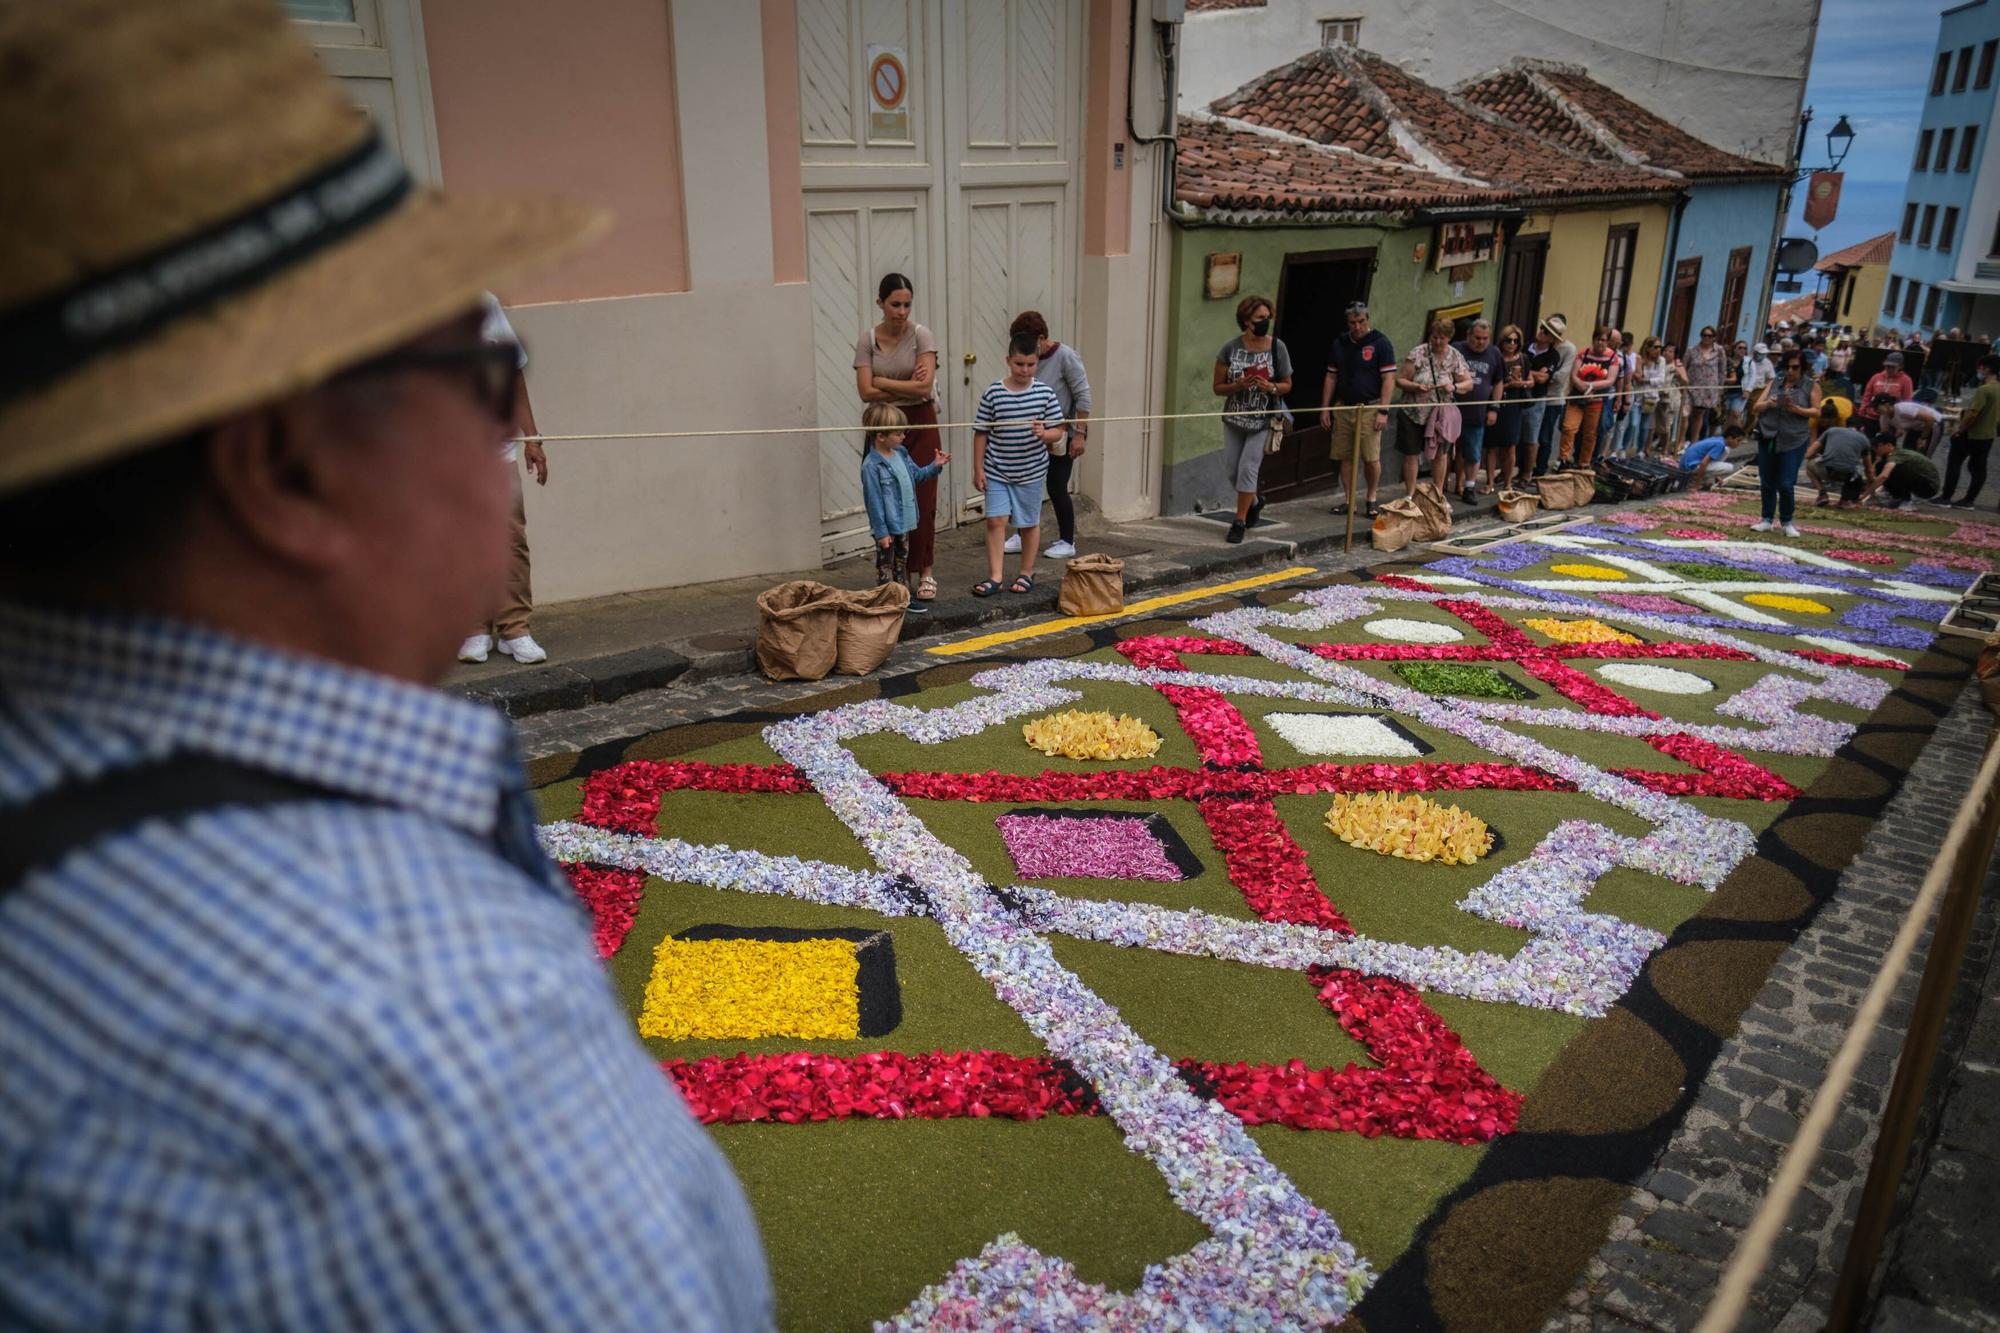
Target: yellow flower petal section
[(1412, 827), (1580, 631), (1073, 734), (737, 989), (1591, 572), (1777, 601)]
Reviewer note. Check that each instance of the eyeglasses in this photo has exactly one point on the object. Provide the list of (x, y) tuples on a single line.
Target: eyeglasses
[(1509, 340), (492, 369)]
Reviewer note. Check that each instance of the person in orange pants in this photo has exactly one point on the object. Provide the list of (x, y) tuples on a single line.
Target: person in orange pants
[(1596, 375)]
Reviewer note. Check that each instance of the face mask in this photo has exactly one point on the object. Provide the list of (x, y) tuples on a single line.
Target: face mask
[(1260, 327)]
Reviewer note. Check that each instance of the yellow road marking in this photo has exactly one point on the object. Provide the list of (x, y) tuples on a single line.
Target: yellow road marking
[(1067, 623)]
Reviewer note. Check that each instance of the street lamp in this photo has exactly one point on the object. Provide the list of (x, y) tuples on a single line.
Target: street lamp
[(1838, 140)]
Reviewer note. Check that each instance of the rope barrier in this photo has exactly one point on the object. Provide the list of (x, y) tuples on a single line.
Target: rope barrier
[(1048, 421), (1732, 1296)]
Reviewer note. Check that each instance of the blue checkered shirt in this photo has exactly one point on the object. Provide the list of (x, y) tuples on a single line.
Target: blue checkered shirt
[(324, 1065)]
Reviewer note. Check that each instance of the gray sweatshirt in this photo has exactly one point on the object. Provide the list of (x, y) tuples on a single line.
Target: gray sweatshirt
[(1062, 370)]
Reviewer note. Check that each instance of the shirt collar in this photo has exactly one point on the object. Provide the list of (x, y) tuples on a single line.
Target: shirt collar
[(170, 686)]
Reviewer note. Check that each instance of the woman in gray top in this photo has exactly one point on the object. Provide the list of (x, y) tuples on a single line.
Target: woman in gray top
[(1062, 370), (1784, 416), (1254, 372)]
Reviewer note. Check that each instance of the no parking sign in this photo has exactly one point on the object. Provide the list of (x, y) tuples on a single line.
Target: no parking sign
[(888, 93)]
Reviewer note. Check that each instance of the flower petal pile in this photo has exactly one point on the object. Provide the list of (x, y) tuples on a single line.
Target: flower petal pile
[(1079, 735), (1414, 828)]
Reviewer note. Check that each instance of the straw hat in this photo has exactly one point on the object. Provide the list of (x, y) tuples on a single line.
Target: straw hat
[(1557, 326), (196, 219)]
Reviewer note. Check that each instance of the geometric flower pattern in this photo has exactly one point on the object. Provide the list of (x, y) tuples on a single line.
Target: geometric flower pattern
[(1274, 1255)]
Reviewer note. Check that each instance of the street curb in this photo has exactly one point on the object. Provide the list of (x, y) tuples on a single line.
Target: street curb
[(603, 679)]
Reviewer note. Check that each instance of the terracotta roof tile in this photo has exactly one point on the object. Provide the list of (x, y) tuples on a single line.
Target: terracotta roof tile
[(1226, 168), (1551, 109), (1500, 151), (1210, 6), (1317, 100), (1353, 99), (1874, 250)]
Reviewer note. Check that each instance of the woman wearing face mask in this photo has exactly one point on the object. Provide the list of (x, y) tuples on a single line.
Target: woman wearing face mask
[(1784, 417), (895, 362), (1253, 371)]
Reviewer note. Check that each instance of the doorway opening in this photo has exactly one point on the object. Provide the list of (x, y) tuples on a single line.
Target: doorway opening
[(1521, 283), (1314, 291)]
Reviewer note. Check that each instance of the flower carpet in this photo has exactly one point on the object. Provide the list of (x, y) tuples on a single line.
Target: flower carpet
[(1340, 951)]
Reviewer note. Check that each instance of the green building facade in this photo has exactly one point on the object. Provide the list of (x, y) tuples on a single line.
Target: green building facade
[(1310, 273)]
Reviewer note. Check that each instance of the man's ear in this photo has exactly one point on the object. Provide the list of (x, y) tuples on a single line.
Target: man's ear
[(276, 477)]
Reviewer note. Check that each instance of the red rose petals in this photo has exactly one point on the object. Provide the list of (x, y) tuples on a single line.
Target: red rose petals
[(1267, 864), (613, 899)]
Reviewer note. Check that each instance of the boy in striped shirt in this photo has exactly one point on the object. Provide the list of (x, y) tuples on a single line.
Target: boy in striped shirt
[(1018, 419)]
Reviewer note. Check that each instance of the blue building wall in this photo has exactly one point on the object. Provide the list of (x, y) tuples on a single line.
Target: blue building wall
[(1720, 218), (1967, 28)]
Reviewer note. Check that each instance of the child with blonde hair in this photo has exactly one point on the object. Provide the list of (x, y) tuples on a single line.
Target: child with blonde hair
[(889, 489)]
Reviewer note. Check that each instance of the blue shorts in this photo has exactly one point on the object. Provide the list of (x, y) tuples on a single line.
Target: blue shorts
[(1019, 501)]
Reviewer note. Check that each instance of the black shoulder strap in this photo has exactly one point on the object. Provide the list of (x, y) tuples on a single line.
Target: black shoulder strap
[(46, 829)]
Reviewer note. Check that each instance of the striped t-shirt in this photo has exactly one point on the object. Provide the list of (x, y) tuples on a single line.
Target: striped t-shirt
[(1012, 452)]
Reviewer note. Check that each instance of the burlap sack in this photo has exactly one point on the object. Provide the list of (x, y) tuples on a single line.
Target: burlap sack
[(1988, 673), (1556, 491), (1093, 585), (1435, 525), (1518, 506), (870, 624), (1396, 526), (1583, 485), (798, 634)]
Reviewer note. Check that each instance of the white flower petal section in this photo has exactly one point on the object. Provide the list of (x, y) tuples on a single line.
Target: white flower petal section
[(1413, 631), (1659, 679), (1321, 733)]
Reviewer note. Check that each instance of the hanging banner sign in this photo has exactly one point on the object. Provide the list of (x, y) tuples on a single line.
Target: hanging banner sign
[(1822, 198)]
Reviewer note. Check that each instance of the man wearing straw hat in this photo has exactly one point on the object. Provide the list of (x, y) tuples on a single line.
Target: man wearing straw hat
[(300, 1027)]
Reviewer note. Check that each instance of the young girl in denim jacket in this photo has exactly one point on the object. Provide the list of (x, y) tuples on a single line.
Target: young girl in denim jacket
[(888, 488)]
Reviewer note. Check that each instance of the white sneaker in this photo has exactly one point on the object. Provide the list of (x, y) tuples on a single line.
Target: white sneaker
[(475, 648), (524, 650), (1791, 529), (1061, 550), (1761, 525), (1012, 545)]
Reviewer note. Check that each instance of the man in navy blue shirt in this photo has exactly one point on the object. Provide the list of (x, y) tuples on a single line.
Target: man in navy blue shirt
[(1360, 372)]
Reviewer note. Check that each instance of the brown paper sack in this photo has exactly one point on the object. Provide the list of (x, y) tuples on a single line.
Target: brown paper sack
[(1518, 506), (1396, 526), (1093, 585), (798, 633), (1583, 486), (1988, 673), (870, 624), (1436, 511), (1556, 491)]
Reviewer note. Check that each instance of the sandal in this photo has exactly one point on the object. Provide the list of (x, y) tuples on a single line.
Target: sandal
[(986, 587), (927, 588), (1374, 510), (1338, 509), (1022, 583)]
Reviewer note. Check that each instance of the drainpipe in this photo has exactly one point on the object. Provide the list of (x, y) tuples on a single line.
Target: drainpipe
[(1662, 306)]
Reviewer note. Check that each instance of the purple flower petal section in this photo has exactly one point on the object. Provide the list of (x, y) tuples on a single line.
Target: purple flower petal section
[(1089, 847)]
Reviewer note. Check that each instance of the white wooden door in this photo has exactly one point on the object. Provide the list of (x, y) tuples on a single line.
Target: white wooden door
[(973, 193), (851, 240), (1013, 128)]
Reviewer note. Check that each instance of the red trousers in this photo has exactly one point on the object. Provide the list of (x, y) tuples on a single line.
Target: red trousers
[(922, 442)]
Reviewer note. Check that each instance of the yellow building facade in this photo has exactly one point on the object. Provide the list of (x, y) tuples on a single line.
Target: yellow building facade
[(1602, 262)]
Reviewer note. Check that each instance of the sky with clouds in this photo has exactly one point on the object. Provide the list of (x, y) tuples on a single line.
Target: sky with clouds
[(1872, 64)]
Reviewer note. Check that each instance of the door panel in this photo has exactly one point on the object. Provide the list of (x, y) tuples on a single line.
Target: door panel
[(977, 206), (851, 240)]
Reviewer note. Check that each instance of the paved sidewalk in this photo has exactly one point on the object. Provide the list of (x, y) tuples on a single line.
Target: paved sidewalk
[(604, 648)]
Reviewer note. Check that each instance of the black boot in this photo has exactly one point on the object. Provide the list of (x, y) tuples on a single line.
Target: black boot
[(1235, 532)]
